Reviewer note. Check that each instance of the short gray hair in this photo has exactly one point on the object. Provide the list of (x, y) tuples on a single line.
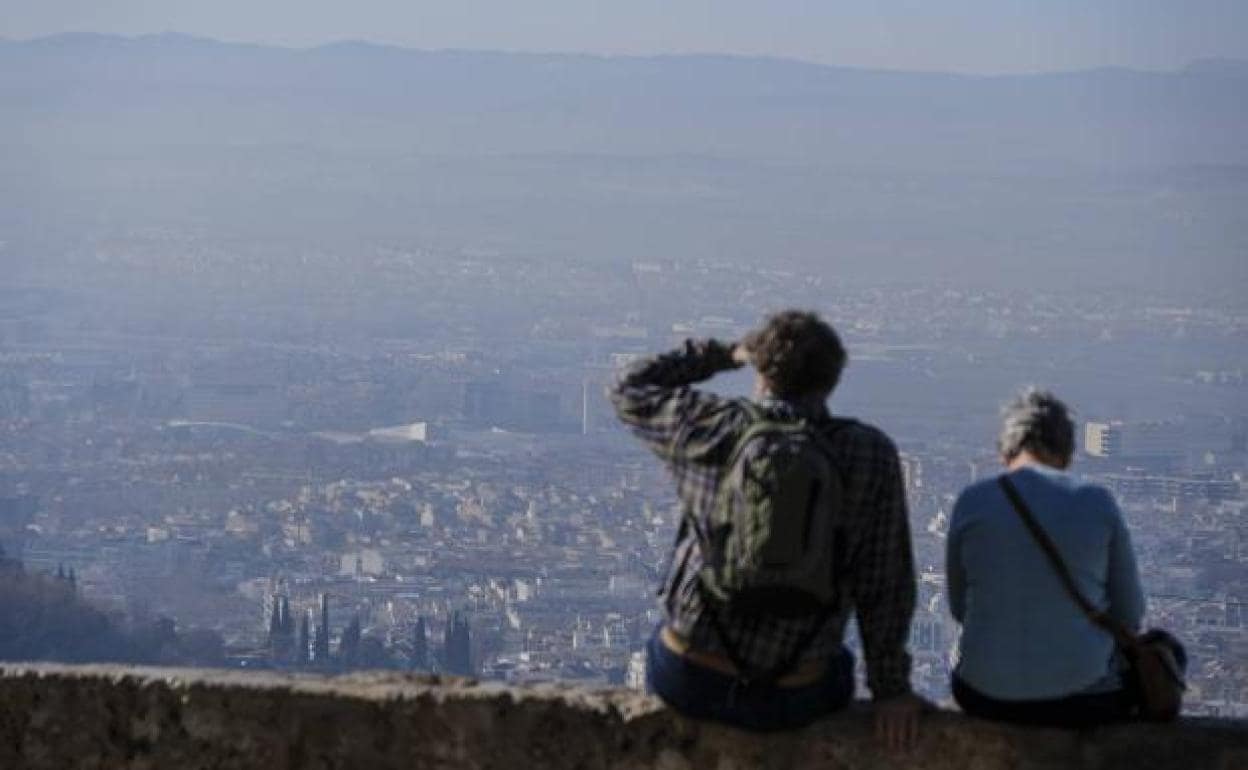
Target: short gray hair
[(1038, 422)]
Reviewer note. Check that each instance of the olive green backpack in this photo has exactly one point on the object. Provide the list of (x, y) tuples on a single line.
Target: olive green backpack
[(770, 546)]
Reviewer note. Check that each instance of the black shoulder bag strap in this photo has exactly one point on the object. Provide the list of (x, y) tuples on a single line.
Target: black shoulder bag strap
[(1117, 630)]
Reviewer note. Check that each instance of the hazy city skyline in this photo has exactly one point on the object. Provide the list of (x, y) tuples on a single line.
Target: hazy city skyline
[(967, 36), (302, 352)]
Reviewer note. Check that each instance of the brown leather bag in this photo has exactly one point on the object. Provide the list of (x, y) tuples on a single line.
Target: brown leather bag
[(1155, 659)]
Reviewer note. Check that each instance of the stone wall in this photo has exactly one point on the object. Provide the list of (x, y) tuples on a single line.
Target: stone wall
[(67, 717)]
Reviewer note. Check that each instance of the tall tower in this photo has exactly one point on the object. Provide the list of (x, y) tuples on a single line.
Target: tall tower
[(349, 647), (281, 631), (457, 646), (320, 649), (420, 646), (302, 646), (585, 406)]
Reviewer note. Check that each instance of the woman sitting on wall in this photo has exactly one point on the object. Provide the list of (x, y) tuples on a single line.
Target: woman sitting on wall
[(1029, 653)]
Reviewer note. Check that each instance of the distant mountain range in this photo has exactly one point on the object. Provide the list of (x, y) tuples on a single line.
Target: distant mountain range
[(175, 89), (1110, 174)]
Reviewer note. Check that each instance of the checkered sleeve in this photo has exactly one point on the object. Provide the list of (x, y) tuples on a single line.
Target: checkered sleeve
[(653, 398), (883, 587)]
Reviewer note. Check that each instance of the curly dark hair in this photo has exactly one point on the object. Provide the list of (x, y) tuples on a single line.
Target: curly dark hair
[(797, 353)]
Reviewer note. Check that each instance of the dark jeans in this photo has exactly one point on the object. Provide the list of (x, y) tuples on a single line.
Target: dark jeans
[(703, 693), (1081, 710)]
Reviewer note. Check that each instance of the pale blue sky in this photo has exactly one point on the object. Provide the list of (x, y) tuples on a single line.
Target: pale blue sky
[(953, 35)]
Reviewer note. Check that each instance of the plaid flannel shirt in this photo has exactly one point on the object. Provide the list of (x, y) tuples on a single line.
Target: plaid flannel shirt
[(694, 432)]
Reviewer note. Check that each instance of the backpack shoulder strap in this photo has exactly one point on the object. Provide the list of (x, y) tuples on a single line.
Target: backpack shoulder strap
[(1102, 619), (757, 423), (822, 432)]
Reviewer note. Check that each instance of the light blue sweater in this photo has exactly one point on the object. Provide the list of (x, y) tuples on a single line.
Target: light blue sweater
[(1023, 637)]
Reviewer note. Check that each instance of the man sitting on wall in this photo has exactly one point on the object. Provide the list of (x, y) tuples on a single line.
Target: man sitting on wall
[(792, 519)]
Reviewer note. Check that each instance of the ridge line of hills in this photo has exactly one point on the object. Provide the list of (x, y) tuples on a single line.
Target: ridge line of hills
[(1212, 65)]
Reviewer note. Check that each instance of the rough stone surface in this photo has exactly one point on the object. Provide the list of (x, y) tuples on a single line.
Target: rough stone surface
[(100, 717)]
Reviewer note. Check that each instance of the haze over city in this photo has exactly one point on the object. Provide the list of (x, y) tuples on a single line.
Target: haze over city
[(307, 310)]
